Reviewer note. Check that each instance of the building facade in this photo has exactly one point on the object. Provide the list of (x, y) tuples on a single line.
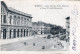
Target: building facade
[(67, 28), (14, 23), (40, 28)]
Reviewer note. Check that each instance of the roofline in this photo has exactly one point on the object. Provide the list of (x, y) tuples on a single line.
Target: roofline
[(19, 13), (3, 3)]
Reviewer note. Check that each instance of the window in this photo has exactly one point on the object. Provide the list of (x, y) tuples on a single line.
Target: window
[(68, 27), (1, 9), (21, 20), (14, 16), (24, 18), (27, 19), (4, 18), (14, 20), (18, 17), (10, 19), (1, 19), (18, 20)]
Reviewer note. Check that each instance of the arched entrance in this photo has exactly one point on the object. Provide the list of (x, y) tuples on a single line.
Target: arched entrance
[(21, 32), (27, 32), (18, 33), (24, 33), (14, 34), (4, 33), (41, 32), (10, 34)]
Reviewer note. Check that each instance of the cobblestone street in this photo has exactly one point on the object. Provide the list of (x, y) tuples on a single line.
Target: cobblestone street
[(37, 43)]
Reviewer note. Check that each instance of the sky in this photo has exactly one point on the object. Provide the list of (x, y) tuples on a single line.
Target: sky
[(52, 16)]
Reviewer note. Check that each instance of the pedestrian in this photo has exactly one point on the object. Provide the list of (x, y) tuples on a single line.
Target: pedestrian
[(24, 43), (33, 44), (43, 47)]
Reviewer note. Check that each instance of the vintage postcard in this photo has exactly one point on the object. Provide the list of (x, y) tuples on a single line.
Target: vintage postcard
[(39, 27)]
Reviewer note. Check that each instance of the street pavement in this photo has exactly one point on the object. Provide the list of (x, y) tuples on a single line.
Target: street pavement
[(37, 43)]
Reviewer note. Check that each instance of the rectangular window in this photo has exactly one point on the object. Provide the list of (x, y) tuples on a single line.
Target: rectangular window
[(15, 20), (18, 17), (24, 18), (4, 18), (1, 9), (27, 19), (1, 19), (10, 19)]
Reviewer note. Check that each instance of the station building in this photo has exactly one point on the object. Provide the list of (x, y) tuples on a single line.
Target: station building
[(41, 28), (14, 23)]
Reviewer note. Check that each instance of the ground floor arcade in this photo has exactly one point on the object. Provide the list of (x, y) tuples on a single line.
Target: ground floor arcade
[(9, 32)]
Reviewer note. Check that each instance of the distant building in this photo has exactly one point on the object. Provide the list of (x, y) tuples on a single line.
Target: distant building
[(41, 28), (14, 23), (35, 28), (67, 27), (47, 28)]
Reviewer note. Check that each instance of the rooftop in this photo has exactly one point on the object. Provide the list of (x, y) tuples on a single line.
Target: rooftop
[(10, 9)]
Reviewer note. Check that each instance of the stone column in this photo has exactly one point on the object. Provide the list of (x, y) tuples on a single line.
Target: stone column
[(19, 32), (1, 34), (7, 33), (26, 32)]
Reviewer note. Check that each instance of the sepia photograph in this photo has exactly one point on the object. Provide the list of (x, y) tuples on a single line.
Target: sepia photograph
[(45, 25)]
